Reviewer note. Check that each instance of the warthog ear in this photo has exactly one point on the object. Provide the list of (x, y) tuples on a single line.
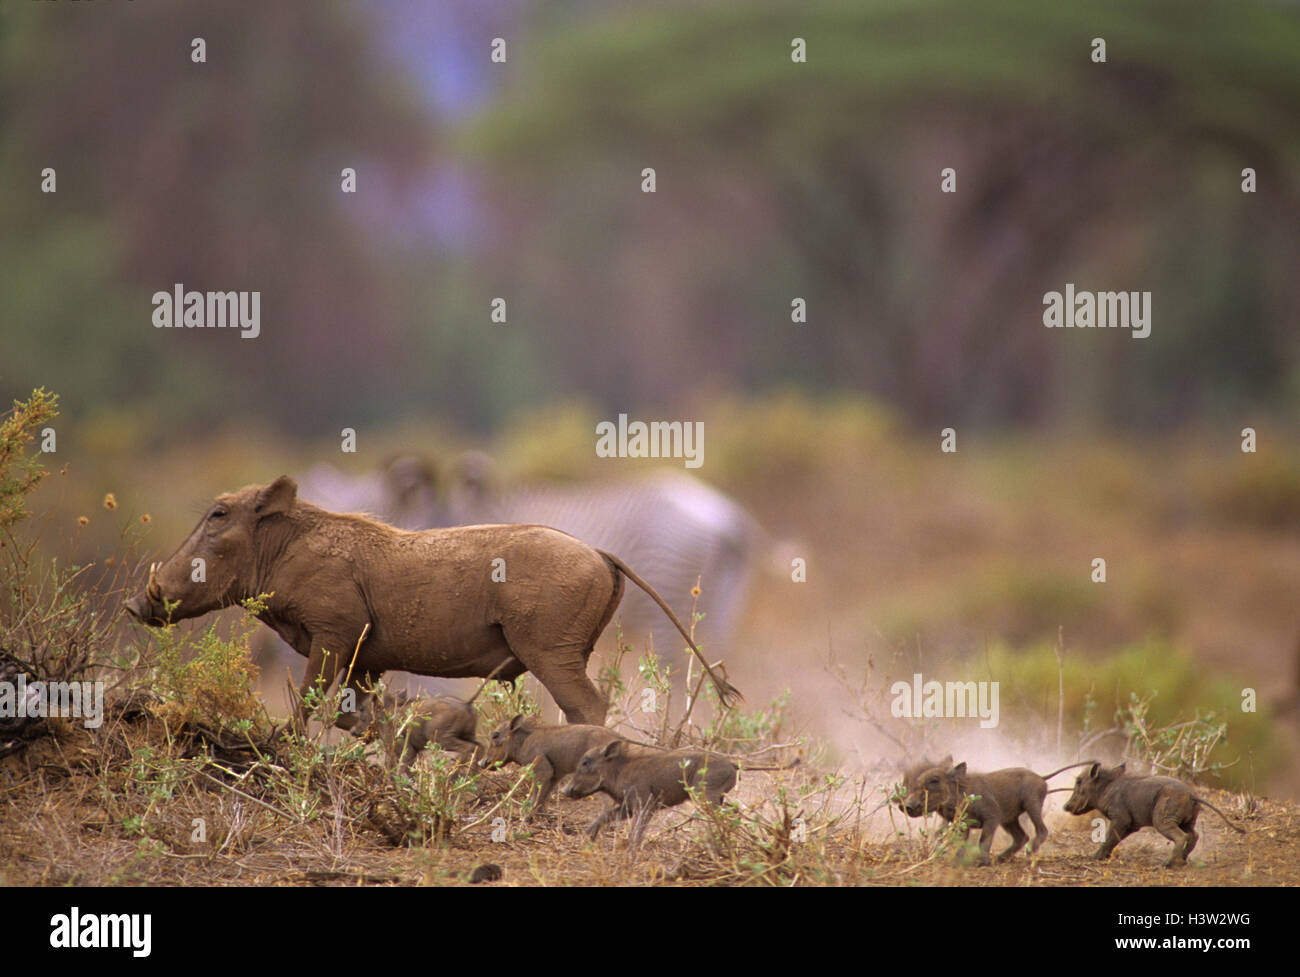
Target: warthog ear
[(612, 749), (1095, 769), (946, 761), (959, 770), (514, 723), (276, 497)]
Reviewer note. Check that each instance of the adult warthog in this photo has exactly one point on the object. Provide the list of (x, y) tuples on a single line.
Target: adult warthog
[(453, 603), (672, 527)]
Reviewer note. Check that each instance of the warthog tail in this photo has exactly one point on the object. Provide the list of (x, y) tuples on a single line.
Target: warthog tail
[(1049, 776), (1240, 831), (727, 692)]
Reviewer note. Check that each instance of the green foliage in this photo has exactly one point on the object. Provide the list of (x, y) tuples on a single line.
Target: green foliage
[(1262, 491), (738, 731), (1163, 707), (796, 437), (428, 800), (1005, 49), (20, 472), (804, 182), (50, 620), (1182, 749), (780, 843), (795, 184), (209, 680), (499, 702), (77, 267), (1010, 603)]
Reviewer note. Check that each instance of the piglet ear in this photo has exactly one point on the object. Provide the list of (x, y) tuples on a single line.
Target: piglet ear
[(614, 748), (959, 770), (277, 497), (516, 720), (1095, 769)]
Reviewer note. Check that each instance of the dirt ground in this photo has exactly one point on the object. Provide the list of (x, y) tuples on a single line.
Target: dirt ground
[(62, 823)]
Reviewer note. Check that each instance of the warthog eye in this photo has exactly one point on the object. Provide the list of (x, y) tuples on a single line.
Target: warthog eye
[(218, 513)]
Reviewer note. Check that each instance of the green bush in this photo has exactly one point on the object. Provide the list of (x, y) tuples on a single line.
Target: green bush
[(1020, 606), (1261, 490), (1152, 682)]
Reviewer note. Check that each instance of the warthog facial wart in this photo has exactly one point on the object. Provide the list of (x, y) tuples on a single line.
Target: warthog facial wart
[(209, 310), (658, 439)]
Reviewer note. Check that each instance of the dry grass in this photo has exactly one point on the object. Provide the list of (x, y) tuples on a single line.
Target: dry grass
[(85, 809)]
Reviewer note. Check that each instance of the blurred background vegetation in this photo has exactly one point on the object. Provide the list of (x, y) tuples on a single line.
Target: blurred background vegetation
[(775, 180)]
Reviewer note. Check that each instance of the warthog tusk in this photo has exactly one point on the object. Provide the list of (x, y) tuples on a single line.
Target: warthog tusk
[(153, 591)]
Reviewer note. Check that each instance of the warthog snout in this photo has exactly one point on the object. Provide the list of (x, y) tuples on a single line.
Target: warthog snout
[(914, 806), (147, 605), (145, 610)]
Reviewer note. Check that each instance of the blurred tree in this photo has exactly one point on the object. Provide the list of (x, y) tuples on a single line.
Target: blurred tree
[(220, 175), (821, 180), (776, 180)]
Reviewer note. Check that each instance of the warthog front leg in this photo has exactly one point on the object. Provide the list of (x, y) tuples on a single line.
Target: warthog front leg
[(615, 812), (640, 810), (544, 775), (987, 831)]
